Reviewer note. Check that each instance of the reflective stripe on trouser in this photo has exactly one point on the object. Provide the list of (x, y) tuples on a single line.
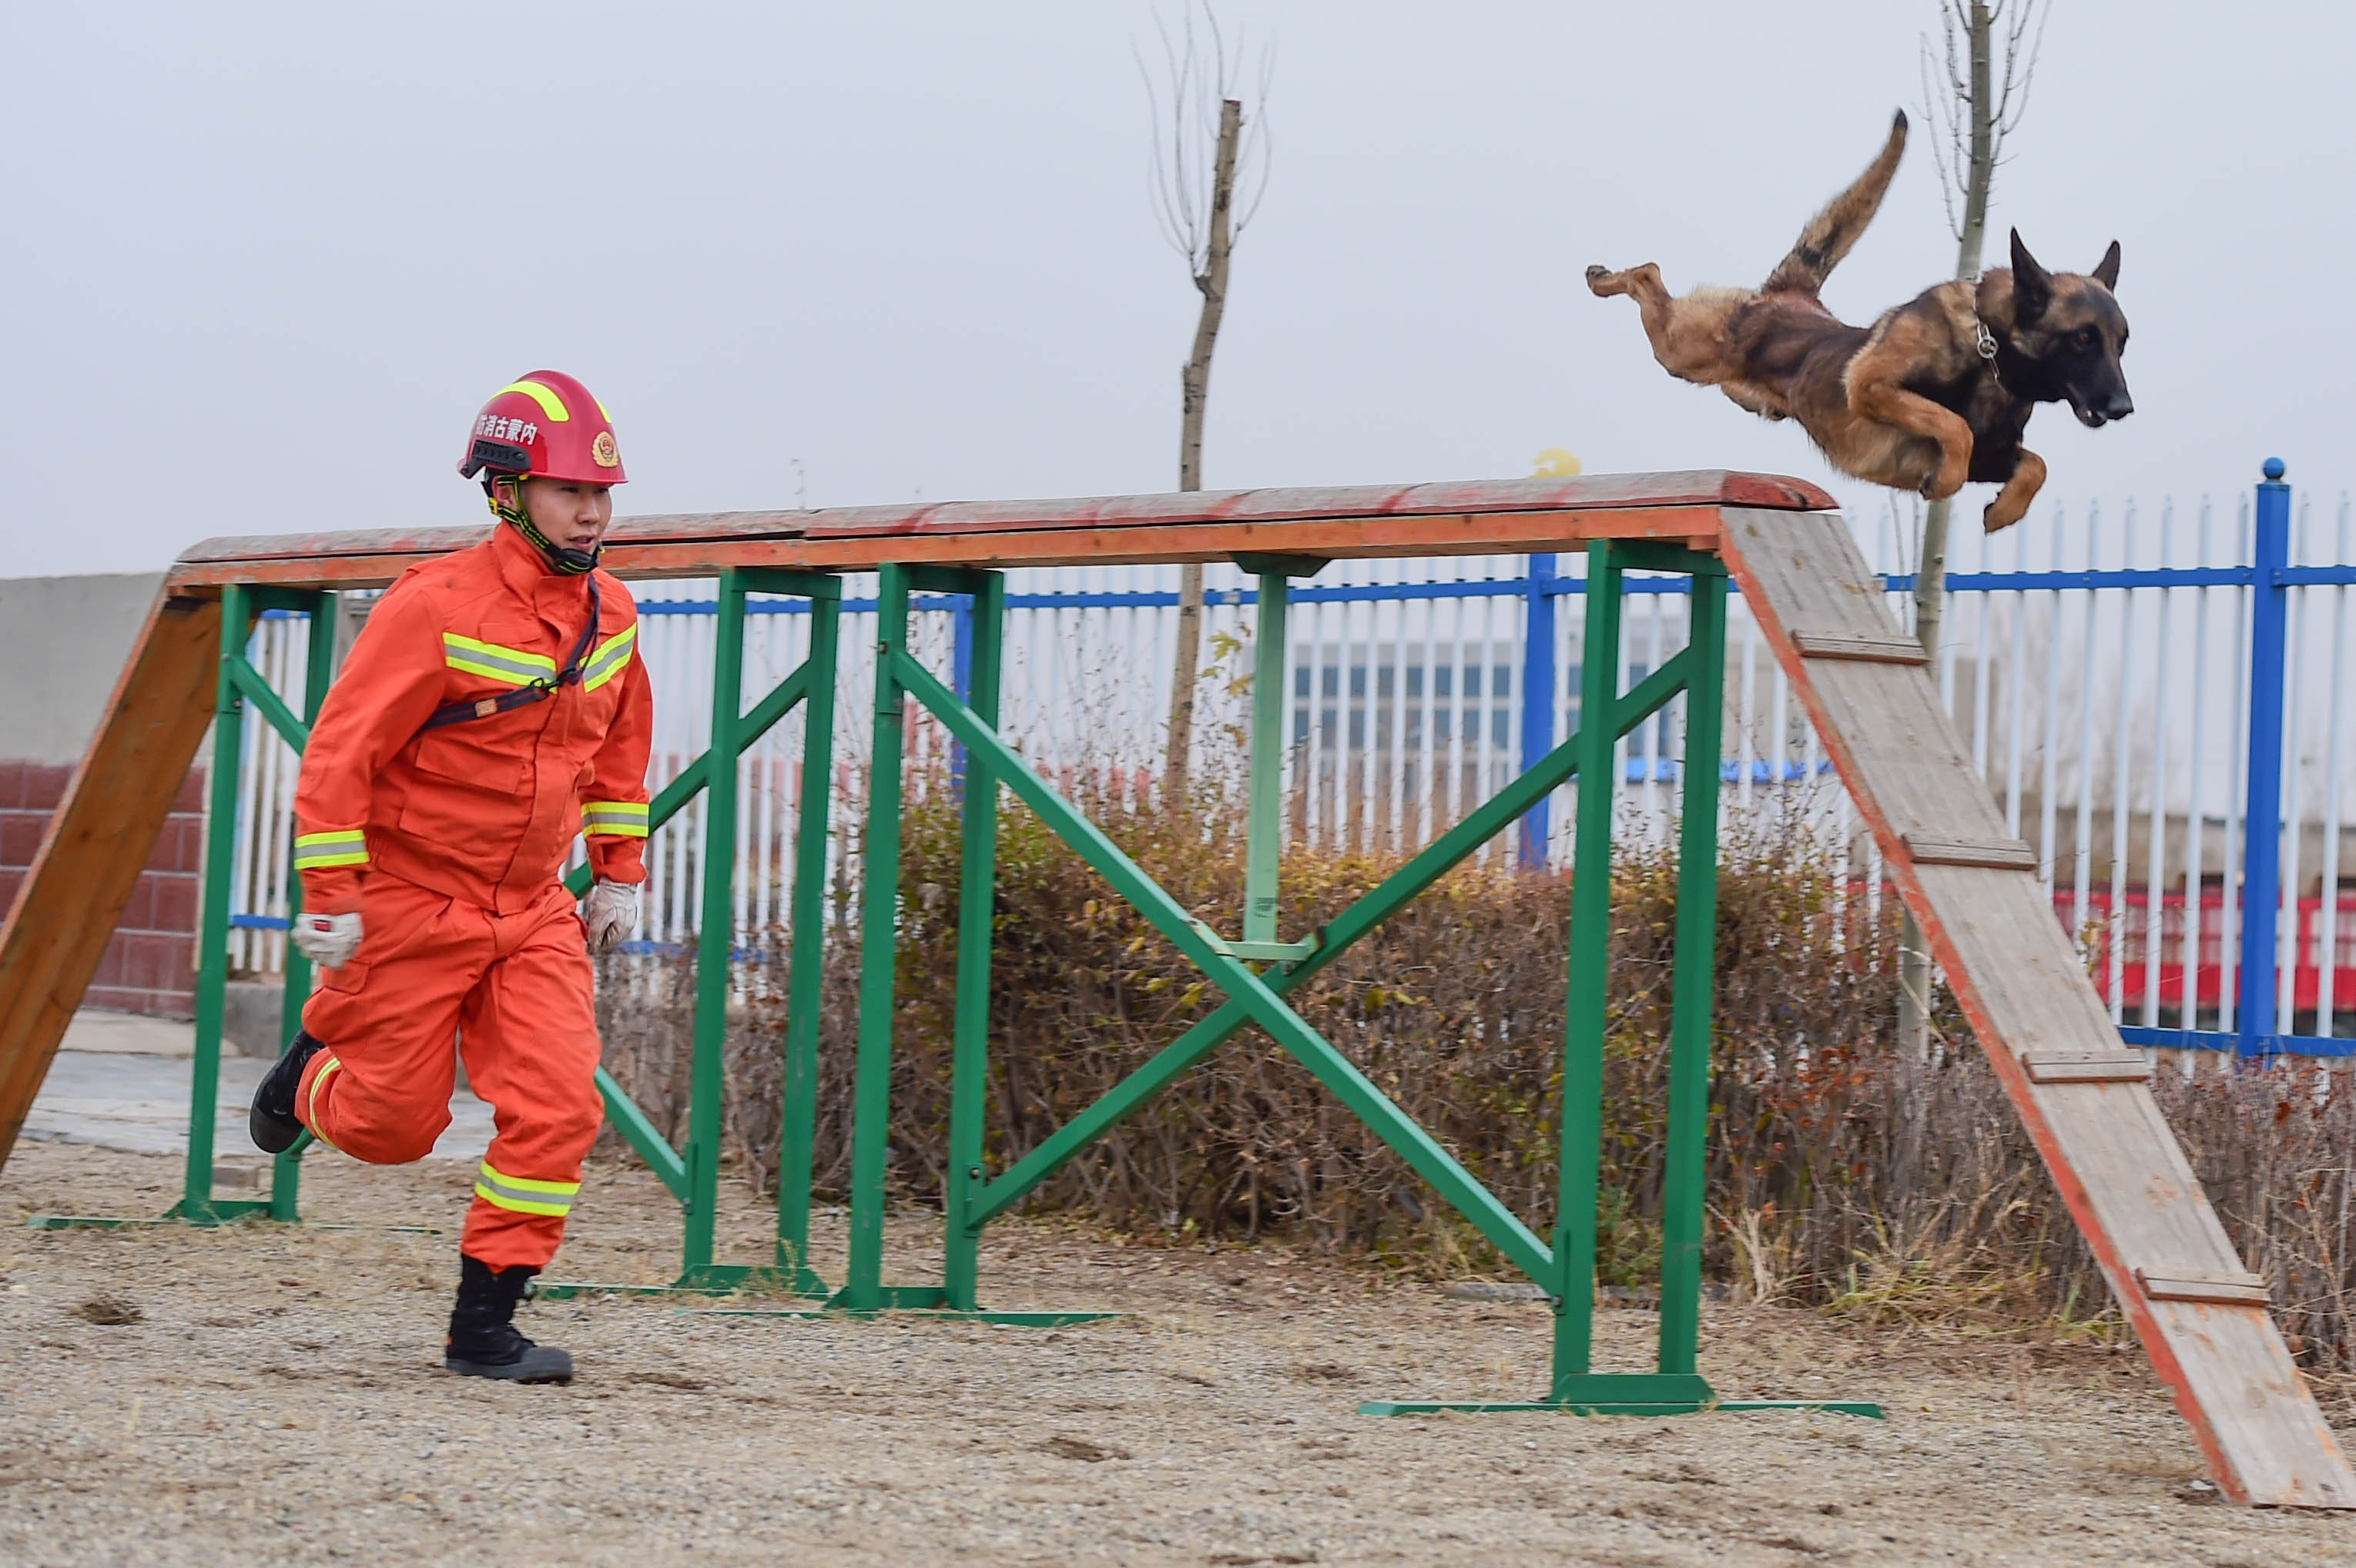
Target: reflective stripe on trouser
[(433, 972), (522, 1194)]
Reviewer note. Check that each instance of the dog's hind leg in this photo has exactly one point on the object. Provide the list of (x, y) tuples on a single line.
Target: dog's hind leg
[(2011, 502), (1689, 335)]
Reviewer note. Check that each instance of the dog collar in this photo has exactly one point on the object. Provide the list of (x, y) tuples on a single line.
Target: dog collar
[(1987, 339)]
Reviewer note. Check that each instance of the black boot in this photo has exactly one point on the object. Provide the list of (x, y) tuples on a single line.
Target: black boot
[(272, 1121), (483, 1339)]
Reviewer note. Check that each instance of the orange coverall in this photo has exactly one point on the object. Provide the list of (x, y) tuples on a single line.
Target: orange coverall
[(449, 841)]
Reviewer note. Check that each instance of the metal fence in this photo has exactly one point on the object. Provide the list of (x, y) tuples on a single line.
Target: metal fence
[(2107, 670)]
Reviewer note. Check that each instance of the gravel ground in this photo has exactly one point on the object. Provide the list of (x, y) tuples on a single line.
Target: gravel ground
[(279, 1397)]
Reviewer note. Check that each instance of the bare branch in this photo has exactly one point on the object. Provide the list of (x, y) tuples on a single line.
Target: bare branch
[(1201, 67), (1259, 149), (2019, 62)]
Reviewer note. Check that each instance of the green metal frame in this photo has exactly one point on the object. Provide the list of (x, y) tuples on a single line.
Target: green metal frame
[(1256, 973), (1566, 1269), (692, 1174)]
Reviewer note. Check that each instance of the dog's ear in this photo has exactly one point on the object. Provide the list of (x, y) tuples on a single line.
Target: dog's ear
[(2106, 271), (2033, 285)]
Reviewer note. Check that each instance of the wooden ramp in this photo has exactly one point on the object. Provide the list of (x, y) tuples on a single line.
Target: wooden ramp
[(2083, 1095)]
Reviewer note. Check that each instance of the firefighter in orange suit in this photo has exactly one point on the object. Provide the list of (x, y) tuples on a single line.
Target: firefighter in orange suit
[(493, 707)]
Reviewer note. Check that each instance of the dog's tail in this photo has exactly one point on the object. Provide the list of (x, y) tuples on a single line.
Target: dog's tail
[(1830, 233)]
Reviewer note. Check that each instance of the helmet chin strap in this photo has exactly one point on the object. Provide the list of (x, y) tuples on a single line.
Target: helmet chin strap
[(571, 562)]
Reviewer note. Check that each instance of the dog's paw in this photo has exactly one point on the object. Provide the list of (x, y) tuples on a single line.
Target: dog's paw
[(2000, 516), (1602, 281)]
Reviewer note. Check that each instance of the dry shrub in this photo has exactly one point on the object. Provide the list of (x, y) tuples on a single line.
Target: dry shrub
[(1841, 1174)]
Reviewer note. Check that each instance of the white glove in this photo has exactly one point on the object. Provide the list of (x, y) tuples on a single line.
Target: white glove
[(328, 940), (611, 914)]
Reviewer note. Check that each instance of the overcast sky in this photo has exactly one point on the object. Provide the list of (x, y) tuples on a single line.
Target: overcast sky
[(260, 263)]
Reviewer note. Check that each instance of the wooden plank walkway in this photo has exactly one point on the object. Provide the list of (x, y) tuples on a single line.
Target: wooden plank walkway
[(2081, 1092), (86, 868)]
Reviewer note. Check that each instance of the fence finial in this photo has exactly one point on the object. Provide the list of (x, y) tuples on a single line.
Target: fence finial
[(2274, 469)]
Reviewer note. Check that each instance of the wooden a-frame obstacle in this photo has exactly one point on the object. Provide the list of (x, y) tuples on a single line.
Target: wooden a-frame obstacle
[(2083, 1096)]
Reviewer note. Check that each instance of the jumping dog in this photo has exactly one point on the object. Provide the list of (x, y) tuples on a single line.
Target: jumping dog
[(1936, 392)]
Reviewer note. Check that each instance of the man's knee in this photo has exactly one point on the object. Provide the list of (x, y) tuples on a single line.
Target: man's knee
[(390, 1140), (573, 1124)]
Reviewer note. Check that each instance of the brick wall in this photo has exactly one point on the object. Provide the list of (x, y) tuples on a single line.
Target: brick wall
[(150, 965)]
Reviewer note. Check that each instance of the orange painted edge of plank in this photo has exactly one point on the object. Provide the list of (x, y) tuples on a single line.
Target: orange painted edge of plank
[(2126, 1288), (1337, 539), (1698, 488)]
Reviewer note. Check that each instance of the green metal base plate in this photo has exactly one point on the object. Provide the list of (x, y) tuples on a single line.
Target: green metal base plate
[(716, 1279), (1617, 1407), (946, 1314), (1622, 1393), (228, 1213)]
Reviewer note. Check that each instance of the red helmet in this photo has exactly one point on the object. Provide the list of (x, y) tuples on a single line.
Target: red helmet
[(545, 425)]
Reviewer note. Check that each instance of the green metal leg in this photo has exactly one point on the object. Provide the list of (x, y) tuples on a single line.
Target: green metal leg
[(1590, 945), (692, 1175), (806, 977), (1684, 1159), (197, 1203), (1264, 826), (879, 952), (976, 907), (715, 935), (319, 668), (1675, 1387)]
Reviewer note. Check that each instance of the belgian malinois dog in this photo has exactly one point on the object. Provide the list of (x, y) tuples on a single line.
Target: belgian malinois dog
[(1935, 393)]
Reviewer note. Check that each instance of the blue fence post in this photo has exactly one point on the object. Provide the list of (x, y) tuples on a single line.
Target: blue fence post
[(1537, 699), (2253, 1021)]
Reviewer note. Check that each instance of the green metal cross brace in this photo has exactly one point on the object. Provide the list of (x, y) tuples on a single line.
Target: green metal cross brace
[(1203, 949), (1426, 867)]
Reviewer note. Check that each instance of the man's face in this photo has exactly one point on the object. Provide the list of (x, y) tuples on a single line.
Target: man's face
[(570, 514)]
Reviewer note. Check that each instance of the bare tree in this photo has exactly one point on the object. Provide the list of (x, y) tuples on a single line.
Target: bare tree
[(1974, 111), (1206, 150)]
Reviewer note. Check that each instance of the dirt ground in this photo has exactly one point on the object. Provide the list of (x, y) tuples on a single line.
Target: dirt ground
[(280, 1397)]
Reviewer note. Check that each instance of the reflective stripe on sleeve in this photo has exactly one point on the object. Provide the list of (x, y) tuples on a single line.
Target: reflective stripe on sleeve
[(616, 818), (612, 655), (509, 666), (317, 851), (524, 1195)]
